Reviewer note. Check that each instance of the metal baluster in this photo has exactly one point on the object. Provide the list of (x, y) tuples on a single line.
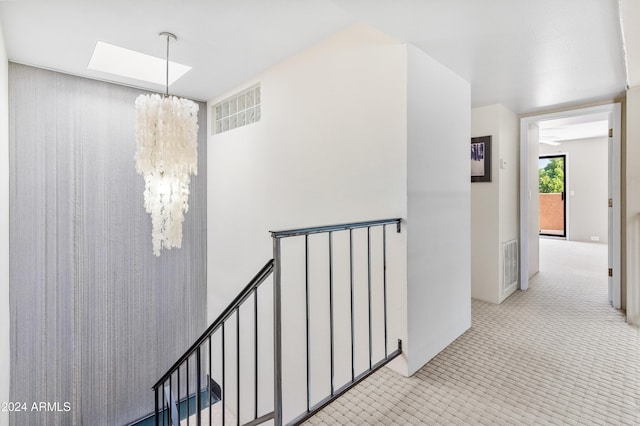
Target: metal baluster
[(255, 346), (198, 387), (238, 365), (188, 390), (384, 283), (169, 412), (306, 289), (209, 383), (157, 414), (224, 387), (369, 292), (164, 404), (331, 309), (353, 354), (166, 413), (178, 392), (277, 336)]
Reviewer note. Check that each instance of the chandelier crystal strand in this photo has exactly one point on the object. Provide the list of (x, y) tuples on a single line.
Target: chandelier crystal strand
[(166, 156)]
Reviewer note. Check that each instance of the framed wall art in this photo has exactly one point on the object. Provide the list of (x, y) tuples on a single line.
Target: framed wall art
[(481, 159)]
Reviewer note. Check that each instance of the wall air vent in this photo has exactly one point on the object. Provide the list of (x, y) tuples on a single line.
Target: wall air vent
[(237, 111), (509, 265)]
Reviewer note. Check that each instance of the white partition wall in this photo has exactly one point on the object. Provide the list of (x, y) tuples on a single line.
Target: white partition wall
[(438, 218)]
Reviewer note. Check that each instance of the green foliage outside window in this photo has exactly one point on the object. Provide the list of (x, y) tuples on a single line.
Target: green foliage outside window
[(552, 176)]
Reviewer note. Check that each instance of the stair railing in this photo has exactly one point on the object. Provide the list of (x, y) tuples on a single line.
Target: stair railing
[(277, 236), (163, 405)]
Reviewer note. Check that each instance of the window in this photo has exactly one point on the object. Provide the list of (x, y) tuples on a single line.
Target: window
[(238, 110)]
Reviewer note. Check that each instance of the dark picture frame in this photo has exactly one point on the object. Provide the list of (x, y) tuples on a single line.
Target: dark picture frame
[(481, 159)]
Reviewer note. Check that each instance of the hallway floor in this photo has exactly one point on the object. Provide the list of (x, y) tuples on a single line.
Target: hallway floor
[(557, 353)]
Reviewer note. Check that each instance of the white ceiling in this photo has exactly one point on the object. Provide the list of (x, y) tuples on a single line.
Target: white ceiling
[(528, 55), (574, 128)]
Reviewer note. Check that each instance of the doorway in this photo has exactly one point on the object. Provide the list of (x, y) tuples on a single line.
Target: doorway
[(552, 181), (529, 190)]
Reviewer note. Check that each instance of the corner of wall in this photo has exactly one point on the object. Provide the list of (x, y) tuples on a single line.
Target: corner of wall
[(632, 213), (494, 205), (508, 187), (5, 352), (485, 121)]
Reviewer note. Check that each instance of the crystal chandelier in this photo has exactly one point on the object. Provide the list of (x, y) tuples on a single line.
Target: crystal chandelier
[(166, 156)]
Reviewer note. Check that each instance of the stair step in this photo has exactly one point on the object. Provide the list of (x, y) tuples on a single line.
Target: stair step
[(186, 405), (215, 411)]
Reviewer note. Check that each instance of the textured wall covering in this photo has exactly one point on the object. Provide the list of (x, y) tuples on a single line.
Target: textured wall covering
[(95, 316), (5, 362)]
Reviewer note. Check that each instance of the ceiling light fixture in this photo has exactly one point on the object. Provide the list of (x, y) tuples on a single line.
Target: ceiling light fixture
[(166, 156)]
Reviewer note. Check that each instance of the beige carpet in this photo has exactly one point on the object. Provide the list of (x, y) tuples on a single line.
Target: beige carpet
[(555, 354)]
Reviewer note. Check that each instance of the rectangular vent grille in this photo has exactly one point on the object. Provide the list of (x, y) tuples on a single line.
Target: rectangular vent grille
[(509, 265), (238, 110)]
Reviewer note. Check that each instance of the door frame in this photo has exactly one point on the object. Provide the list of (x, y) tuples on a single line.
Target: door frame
[(614, 111), (565, 200)]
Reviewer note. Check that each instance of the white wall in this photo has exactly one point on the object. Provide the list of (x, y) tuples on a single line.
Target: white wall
[(633, 205), (330, 148), (508, 175), (5, 361), (439, 294), (355, 128), (485, 223), (494, 205), (534, 204), (586, 191)]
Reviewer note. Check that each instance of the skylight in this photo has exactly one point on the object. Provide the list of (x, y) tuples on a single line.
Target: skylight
[(129, 63)]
